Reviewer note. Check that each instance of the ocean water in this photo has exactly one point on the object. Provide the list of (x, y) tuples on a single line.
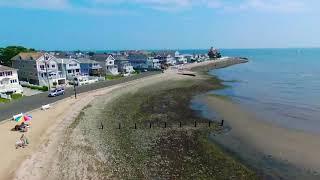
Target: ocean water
[(281, 86)]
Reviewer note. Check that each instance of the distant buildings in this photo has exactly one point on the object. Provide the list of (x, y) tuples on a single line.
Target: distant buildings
[(9, 82)]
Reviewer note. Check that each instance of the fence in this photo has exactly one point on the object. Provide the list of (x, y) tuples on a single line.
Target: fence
[(4, 96)]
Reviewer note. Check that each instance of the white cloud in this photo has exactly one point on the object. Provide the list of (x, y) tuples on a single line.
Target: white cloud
[(104, 6)]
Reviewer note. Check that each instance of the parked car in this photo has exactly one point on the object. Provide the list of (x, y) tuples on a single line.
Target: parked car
[(56, 92)]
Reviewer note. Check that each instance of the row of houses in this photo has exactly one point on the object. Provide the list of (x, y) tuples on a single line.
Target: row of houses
[(59, 68)]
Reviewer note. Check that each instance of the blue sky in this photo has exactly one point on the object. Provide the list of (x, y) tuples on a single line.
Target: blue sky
[(159, 24)]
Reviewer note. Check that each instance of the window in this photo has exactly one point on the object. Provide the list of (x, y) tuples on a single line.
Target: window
[(9, 73), (77, 70), (1, 73), (35, 66), (69, 71), (53, 66), (42, 67)]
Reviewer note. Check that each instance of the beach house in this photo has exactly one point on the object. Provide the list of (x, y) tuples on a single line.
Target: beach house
[(180, 59), (153, 63), (69, 67), (167, 57), (38, 68), (9, 82), (89, 67), (139, 60), (124, 66), (111, 67)]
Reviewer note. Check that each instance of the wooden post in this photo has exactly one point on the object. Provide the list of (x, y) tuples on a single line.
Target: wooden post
[(101, 125), (195, 123), (119, 126), (180, 124), (209, 123), (150, 125), (222, 122), (135, 125), (165, 124)]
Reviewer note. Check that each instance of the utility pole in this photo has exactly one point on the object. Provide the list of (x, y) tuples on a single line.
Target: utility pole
[(46, 64)]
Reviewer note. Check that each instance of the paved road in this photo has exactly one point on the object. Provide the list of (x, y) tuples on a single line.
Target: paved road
[(33, 102)]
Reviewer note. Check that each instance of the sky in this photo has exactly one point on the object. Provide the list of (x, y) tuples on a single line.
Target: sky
[(159, 24)]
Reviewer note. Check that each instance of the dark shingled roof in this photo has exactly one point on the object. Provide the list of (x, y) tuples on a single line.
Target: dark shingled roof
[(6, 68)]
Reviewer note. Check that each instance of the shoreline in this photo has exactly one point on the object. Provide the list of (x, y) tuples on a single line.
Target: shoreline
[(32, 161), (294, 150), (42, 134)]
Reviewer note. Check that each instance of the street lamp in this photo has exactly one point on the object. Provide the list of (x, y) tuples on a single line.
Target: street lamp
[(74, 87)]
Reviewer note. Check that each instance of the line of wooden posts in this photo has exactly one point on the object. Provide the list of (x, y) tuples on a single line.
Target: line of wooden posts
[(165, 124)]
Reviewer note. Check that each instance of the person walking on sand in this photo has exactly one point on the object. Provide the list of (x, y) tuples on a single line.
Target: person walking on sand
[(22, 142)]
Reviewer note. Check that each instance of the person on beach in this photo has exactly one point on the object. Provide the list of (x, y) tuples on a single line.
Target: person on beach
[(22, 142)]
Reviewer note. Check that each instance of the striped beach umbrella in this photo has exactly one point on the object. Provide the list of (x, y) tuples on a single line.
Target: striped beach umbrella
[(23, 118)]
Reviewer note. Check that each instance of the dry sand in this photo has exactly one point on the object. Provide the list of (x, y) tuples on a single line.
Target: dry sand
[(296, 147)]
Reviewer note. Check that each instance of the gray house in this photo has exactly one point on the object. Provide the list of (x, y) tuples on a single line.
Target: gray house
[(124, 66), (139, 61), (70, 68)]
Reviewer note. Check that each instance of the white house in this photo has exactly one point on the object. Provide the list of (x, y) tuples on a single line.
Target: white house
[(9, 82), (69, 67), (180, 59), (153, 63), (111, 68), (38, 68)]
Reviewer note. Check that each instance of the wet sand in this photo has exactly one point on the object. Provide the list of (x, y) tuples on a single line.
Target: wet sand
[(291, 147)]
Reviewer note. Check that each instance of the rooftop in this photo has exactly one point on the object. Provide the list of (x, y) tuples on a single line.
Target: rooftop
[(66, 60), (83, 60), (6, 68), (28, 56)]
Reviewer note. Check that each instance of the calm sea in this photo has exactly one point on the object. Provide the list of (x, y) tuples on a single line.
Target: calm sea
[(281, 85)]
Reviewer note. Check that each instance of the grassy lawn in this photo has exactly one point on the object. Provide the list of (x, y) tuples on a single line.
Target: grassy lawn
[(13, 97), (111, 77), (2, 100)]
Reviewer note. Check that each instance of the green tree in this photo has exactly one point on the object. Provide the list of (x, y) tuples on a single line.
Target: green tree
[(7, 53)]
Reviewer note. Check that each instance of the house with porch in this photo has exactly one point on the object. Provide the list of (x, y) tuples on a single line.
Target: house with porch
[(139, 61), (124, 66), (38, 68), (180, 59), (167, 57), (90, 67), (111, 67), (69, 67), (9, 82)]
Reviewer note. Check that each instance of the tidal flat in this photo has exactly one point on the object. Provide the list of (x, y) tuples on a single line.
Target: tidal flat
[(147, 133)]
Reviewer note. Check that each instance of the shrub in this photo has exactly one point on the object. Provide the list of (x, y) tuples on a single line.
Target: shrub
[(16, 96), (40, 88)]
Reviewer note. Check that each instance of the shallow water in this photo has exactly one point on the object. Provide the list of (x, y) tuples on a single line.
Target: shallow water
[(280, 85)]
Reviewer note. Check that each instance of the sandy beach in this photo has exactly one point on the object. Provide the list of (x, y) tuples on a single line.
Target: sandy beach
[(48, 125), (48, 128)]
